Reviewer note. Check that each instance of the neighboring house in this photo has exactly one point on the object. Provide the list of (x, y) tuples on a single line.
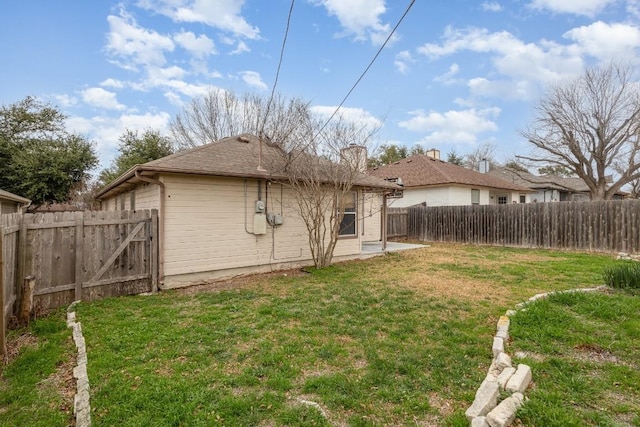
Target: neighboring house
[(430, 181), (222, 212), (11, 203), (547, 188)]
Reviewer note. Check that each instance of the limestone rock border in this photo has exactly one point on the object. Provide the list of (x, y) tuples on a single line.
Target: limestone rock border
[(486, 411), (81, 405)]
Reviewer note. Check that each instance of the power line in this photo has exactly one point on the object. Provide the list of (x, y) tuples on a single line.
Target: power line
[(366, 69), (275, 83)]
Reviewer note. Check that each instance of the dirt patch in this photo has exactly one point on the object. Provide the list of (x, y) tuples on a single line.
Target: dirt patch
[(444, 406), (62, 383), (595, 353), (17, 344), (250, 281)]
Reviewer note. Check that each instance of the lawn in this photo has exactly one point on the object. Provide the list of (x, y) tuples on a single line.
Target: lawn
[(403, 339)]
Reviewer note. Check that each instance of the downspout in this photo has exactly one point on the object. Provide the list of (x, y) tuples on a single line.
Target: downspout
[(160, 224)]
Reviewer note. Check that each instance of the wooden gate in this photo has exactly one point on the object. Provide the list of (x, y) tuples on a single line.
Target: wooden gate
[(88, 255)]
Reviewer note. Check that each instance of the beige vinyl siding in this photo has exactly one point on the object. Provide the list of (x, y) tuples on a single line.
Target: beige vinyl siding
[(206, 229), (147, 196), (371, 216)]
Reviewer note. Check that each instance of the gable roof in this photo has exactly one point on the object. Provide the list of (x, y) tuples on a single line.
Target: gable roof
[(420, 170), (536, 182), (235, 156), (5, 195)]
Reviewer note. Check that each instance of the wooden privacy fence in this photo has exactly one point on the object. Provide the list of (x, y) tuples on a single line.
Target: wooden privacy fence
[(603, 226), (78, 256), (397, 222)]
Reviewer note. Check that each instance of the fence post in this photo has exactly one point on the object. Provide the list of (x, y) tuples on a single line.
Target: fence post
[(3, 321), (26, 303), (22, 258), (79, 254)]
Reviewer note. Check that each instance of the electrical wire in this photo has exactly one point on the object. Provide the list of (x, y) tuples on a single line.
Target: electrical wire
[(366, 69), (275, 83)]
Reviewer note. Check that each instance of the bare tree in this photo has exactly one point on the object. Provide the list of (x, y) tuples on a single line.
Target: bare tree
[(485, 151), (591, 126), (223, 113), (322, 172)]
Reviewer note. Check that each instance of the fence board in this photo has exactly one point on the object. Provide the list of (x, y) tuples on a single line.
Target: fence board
[(64, 251), (604, 226)]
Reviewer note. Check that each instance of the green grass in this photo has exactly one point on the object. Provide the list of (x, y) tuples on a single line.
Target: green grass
[(30, 386), (400, 340), (623, 275), (585, 355)]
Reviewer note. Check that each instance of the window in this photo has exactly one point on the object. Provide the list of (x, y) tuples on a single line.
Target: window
[(523, 198), (502, 200), (348, 224), (132, 200), (475, 197)]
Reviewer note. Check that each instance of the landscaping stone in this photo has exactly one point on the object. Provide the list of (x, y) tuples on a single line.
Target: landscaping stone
[(505, 413), (498, 346), (486, 399), (479, 422), (504, 376), (510, 313), (520, 379), (503, 361)]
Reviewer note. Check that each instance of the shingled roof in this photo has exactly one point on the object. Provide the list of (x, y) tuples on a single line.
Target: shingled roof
[(235, 156), (420, 170), (13, 197)]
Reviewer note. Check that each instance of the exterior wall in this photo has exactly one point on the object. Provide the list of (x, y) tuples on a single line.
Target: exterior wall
[(147, 196), (7, 207), (439, 196), (371, 217), (209, 224), (451, 196)]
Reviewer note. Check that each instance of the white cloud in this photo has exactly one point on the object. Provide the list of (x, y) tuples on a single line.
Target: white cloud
[(105, 130), (348, 114), (606, 41), (525, 66), (128, 41), (199, 46), (98, 97), (361, 18), (116, 84), (492, 6), (402, 61), (242, 47), (449, 77), (575, 7), (452, 126), (253, 79), (224, 15), (64, 100)]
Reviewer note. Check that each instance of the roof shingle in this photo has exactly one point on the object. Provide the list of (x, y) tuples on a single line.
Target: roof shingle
[(420, 170)]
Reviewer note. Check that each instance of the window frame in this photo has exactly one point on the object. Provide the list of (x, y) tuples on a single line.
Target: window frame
[(346, 214), (475, 191)]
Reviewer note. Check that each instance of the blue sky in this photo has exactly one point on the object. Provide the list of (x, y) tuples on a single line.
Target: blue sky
[(457, 74)]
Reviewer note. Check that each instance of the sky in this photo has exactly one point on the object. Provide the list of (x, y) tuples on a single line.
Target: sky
[(455, 75)]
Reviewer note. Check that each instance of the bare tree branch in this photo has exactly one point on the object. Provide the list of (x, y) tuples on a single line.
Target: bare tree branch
[(591, 126)]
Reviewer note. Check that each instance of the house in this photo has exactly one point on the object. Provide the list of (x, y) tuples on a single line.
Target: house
[(11, 203), (226, 209), (547, 188), (430, 181)]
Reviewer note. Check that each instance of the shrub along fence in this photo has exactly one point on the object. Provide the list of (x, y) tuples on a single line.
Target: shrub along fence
[(603, 226), (53, 259)]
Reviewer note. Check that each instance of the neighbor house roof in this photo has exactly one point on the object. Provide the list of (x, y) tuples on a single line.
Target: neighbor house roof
[(235, 156), (539, 182), (5, 195), (420, 170)]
